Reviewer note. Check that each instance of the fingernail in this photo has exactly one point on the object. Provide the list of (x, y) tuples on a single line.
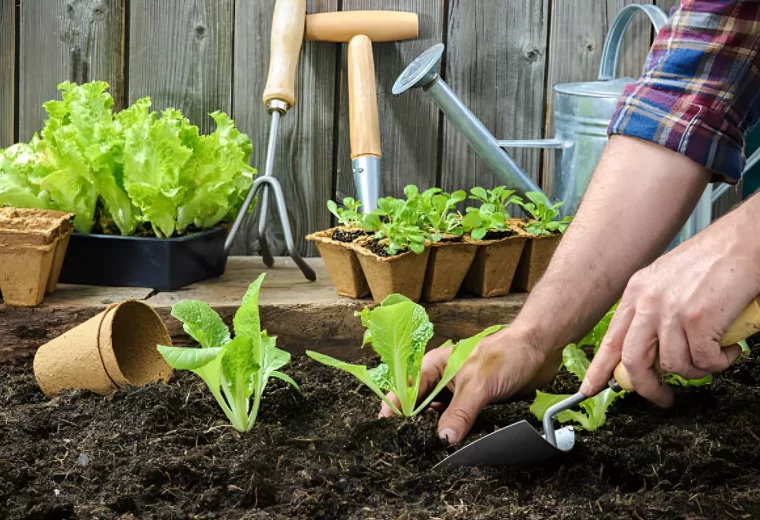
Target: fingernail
[(447, 435)]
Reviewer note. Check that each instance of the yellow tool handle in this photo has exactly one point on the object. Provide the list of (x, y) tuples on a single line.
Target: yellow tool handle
[(288, 23), (362, 99), (378, 26), (747, 324)]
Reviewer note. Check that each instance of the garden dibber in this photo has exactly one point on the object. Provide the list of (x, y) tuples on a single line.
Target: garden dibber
[(520, 443)]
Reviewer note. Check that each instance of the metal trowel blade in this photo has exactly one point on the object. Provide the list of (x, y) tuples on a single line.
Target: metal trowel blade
[(517, 443)]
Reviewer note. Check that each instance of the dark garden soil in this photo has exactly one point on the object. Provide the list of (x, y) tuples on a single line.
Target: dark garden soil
[(498, 235), (347, 235), (165, 451), (376, 247)]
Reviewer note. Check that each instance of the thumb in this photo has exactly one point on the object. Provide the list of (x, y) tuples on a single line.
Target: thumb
[(460, 415)]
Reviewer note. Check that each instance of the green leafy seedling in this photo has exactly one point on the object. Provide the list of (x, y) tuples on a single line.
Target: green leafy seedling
[(439, 214), (398, 331), (543, 214), (235, 370), (397, 225), (492, 214), (349, 216)]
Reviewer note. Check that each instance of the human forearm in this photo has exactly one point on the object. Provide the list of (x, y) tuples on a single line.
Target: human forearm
[(639, 198)]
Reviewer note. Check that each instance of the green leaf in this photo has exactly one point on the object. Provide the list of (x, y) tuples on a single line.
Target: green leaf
[(21, 171), (596, 335), (182, 358), (575, 361), (239, 382), (289, 380), (544, 401), (479, 234), (459, 354), (246, 321), (675, 379), (201, 323), (480, 193), (358, 371)]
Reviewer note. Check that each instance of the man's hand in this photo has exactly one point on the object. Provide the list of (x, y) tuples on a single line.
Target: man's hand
[(674, 312), (502, 365)]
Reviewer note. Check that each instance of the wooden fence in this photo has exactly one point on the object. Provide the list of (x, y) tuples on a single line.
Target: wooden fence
[(502, 58)]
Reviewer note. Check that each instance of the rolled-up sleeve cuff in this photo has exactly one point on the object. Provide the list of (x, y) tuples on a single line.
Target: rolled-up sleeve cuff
[(672, 120)]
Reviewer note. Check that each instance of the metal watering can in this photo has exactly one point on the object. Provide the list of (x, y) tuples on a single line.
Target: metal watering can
[(582, 114)]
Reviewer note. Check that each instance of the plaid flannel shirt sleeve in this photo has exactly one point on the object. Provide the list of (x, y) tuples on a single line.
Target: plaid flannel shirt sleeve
[(700, 90)]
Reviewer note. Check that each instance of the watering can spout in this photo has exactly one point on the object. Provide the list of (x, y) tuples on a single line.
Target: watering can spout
[(423, 73)]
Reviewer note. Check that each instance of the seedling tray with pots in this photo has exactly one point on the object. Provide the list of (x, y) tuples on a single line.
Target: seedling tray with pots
[(164, 264)]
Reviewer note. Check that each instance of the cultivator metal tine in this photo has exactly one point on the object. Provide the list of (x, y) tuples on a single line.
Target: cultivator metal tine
[(282, 211), (553, 411)]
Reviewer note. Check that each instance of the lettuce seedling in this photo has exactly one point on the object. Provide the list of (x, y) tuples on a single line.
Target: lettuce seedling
[(398, 331), (439, 214), (492, 214), (397, 225), (235, 370), (593, 413), (543, 222), (349, 217)]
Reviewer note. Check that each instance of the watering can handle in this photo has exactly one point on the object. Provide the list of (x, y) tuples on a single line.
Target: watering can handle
[(611, 51)]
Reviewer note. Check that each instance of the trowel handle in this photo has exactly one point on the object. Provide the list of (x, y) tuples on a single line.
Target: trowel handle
[(747, 324), (362, 99), (288, 23)]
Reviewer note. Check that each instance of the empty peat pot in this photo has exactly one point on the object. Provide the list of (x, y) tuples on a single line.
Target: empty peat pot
[(115, 349), (33, 244)]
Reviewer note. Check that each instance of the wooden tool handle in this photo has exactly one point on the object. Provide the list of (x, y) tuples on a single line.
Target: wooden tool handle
[(747, 324), (378, 26), (362, 99), (288, 24)]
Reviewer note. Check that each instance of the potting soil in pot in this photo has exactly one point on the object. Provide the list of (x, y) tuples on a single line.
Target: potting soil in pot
[(166, 451)]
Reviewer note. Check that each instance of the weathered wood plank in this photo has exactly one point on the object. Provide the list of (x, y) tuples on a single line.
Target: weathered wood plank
[(495, 61), (301, 314), (304, 164), (76, 40), (180, 54), (576, 40), (8, 68), (408, 123)]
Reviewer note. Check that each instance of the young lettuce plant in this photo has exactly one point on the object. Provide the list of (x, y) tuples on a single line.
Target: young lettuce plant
[(235, 370), (492, 214), (543, 222), (593, 413), (440, 216), (349, 217), (397, 226), (398, 331)]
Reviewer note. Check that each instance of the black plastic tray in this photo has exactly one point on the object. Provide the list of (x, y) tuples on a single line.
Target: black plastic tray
[(164, 264)]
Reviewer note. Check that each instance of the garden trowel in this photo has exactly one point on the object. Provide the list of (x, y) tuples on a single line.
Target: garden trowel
[(520, 443)]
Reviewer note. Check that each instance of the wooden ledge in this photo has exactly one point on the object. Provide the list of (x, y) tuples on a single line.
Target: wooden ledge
[(302, 314)]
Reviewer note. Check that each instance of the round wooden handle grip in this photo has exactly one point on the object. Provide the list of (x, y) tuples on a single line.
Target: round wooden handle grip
[(378, 26), (288, 22), (747, 324), (362, 99)]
